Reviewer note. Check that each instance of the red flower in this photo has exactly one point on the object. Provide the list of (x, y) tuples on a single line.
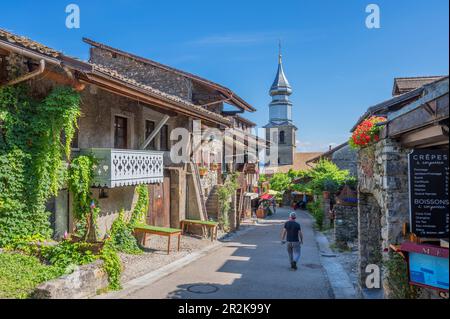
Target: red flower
[(368, 131)]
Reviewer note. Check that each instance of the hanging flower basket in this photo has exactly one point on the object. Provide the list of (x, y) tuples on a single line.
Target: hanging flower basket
[(367, 133), (214, 166)]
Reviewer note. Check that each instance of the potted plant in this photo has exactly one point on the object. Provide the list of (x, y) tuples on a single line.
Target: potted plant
[(214, 166), (202, 170)]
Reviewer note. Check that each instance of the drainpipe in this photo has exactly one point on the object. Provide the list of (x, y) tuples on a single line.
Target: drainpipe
[(28, 76)]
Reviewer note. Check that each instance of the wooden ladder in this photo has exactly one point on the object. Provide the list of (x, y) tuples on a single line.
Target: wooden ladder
[(195, 172)]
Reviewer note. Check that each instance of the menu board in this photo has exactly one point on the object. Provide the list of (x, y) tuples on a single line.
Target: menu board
[(428, 193)]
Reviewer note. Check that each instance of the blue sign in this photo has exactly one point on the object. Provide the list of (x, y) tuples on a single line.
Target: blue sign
[(429, 270)]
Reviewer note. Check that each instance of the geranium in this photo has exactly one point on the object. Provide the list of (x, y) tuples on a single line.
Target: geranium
[(367, 132)]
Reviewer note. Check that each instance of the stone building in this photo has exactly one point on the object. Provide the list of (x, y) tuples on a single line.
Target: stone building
[(131, 107), (417, 119), (342, 155)]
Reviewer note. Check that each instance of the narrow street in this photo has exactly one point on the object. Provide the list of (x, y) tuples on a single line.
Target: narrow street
[(253, 265)]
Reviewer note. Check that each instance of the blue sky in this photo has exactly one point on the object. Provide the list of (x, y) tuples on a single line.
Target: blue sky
[(336, 66)]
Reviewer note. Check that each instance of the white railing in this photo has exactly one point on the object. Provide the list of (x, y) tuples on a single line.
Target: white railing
[(117, 168)]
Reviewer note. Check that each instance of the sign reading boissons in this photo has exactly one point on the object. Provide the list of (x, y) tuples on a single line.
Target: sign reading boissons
[(428, 193)]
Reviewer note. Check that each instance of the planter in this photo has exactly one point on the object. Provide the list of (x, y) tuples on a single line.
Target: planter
[(214, 166), (261, 213), (202, 171)]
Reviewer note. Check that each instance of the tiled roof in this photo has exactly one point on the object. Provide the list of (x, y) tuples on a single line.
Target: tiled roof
[(28, 44), (406, 84), (328, 153), (300, 162), (116, 75)]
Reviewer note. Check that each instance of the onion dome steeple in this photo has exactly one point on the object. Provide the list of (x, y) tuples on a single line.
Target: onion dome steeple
[(280, 84)]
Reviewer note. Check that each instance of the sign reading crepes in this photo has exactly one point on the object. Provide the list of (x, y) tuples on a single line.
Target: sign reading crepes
[(428, 193)]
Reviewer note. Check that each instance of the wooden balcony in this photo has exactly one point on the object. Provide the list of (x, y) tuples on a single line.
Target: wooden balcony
[(117, 167)]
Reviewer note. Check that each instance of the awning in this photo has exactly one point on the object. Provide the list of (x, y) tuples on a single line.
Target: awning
[(266, 196), (252, 195)]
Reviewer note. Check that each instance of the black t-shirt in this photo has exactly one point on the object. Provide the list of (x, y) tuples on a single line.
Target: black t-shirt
[(292, 229)]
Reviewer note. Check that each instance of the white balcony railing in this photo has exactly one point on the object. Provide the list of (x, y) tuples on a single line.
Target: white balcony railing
[(117, 168)]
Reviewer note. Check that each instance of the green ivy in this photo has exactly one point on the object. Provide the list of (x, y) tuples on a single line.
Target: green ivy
[(141, 207), (225, 193), (111, 264), (32, 151), (80, 178), (122, 235)]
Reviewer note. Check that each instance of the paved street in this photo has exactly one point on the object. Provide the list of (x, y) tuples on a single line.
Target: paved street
[(253, 265)]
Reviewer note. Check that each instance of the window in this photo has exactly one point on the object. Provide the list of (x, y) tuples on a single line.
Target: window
[(164, 138), (149, 128), (282, 138), (120, 132)]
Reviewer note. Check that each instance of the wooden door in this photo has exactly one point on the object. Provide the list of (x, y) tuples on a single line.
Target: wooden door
[(159, 204)]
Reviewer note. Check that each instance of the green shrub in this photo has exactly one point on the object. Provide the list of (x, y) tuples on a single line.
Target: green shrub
[(66, 255), (397, 278), (20, 275), (315, 208), (122, 236)]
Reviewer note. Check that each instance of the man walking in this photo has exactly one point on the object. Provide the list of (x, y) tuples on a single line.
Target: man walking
[(294, 238)]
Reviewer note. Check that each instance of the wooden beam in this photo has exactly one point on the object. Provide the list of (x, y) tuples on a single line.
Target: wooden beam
[(4, 52), (155, 131), (64, 80), (430, 135)]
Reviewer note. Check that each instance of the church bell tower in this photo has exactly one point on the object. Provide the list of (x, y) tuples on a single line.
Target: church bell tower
[(280, 129)]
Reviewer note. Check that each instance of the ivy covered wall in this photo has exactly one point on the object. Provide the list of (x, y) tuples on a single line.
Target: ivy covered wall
[(35, 137)]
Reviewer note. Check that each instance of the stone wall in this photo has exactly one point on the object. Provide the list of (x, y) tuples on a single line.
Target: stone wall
[(345, 225), (82, 283), (157, 78), (382, 201)]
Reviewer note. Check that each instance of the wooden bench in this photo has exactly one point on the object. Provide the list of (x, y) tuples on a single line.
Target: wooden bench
[(161, 231), (211, 226)]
